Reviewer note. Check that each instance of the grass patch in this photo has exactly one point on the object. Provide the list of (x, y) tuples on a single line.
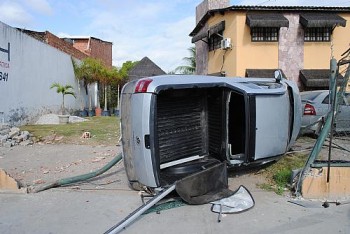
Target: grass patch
[(278, 174), (104, 131)]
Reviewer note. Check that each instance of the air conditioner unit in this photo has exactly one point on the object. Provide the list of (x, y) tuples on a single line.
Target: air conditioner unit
[(226, 43)]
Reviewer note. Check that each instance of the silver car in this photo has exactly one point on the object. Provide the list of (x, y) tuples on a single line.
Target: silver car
[(316, 105), (173, 126)]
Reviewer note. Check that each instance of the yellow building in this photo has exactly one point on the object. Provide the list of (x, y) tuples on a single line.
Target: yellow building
[(256, 40)]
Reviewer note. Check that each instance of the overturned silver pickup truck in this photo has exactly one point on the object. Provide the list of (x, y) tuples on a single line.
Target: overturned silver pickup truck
[(173, 126)]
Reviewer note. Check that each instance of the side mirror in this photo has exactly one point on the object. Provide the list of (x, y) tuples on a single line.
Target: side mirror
[(278, 76)]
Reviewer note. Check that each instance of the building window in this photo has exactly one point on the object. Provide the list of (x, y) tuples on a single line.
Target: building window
[(264, 34), (215, 41), (317, 34)]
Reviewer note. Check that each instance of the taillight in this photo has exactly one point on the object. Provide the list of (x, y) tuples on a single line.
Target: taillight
[(142, 85), (309, 109)]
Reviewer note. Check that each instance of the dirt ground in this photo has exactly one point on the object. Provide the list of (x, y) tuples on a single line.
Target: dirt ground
[(40, 163), (96, 205)]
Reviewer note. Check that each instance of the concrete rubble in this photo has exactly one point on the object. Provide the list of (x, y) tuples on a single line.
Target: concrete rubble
[(9, 184), (12, 136)]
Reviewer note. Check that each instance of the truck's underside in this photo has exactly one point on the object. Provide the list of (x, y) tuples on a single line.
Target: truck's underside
[(203, 125)]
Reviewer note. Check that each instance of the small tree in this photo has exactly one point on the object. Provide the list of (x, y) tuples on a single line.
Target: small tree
[(126, 67), (89, 71), (117, 81), (106, 77), (77, 76), (123, 73), (64, 90)]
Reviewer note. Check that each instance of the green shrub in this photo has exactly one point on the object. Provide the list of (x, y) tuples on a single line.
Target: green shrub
[(279, 173)]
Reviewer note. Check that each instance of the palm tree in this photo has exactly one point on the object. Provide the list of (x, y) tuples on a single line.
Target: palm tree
[(89, 71), (190, 68), (107, 76), (64, 90), (77, 74)]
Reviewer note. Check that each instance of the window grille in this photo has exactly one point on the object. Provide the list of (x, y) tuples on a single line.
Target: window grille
[(264, 34), (317, 34), (215, 41)]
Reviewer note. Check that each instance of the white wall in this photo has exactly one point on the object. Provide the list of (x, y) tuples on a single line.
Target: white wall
[(32, 68)]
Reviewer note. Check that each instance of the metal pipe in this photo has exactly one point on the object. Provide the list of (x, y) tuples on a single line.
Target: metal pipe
[(333, 98), (139, 211), (74, 179)]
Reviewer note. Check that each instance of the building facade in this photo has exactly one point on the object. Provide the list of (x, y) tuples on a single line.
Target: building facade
[(94, 48), (256, 40)]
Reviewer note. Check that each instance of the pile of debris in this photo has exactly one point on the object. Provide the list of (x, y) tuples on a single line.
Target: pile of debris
[(11, 136)]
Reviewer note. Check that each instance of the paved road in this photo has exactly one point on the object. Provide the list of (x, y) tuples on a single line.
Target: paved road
[(96, 206)]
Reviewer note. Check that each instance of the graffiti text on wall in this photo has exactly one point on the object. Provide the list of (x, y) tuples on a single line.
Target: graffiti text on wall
[(7, 51), (4, 75), (4, 65)]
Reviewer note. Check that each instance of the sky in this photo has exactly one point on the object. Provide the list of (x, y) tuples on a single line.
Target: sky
[(157, 29)]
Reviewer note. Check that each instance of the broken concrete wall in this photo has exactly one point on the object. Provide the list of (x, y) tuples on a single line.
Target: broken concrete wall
[(6, 182), (315, 184), (28, 67)]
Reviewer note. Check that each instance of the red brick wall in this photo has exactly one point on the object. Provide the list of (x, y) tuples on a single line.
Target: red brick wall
[(80, 48), (82, 45), (64, 46), (95, 48), (101, 50)]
